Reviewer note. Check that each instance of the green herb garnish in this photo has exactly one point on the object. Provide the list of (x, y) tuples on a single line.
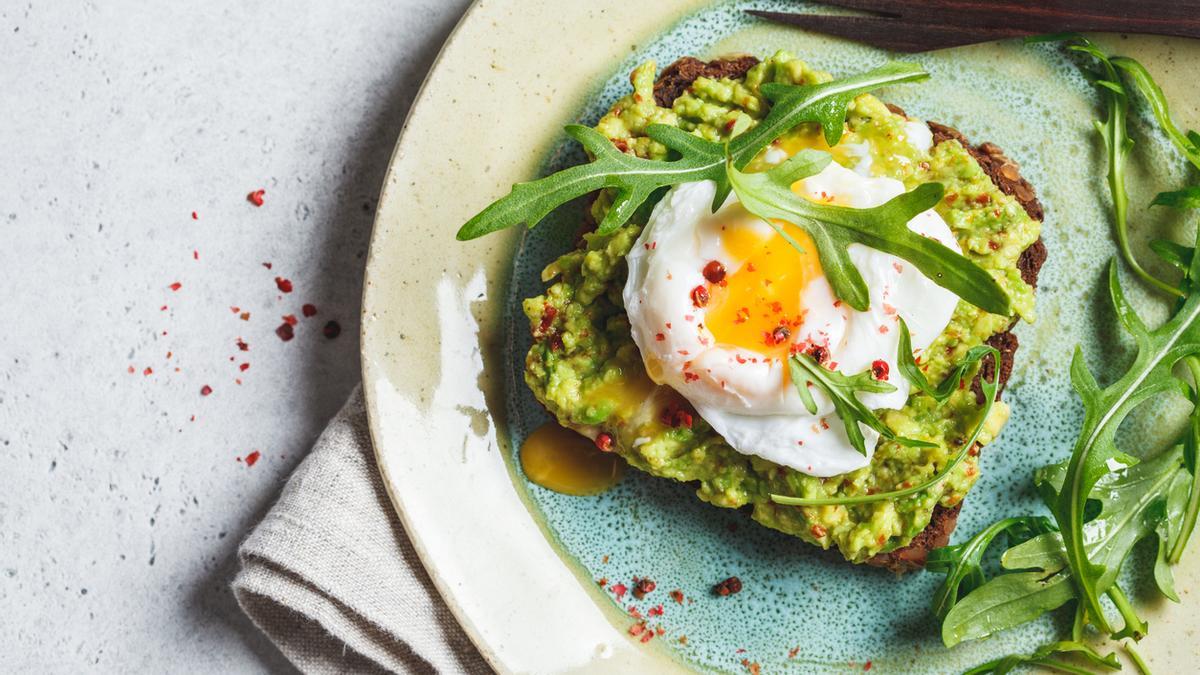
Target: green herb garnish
[(769, 195), (908, 367), (1156, 497), (842, 390), (963, 563), (1044, 657), (853, 411), (634, 179)]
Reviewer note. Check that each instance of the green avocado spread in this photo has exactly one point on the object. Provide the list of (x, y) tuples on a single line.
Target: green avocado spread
[(587, 371)]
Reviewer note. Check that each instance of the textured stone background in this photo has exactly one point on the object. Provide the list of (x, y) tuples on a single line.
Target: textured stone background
[(119, 514)]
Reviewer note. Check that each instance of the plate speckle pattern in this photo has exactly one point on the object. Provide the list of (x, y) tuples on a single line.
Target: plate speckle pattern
[(1031, 101)]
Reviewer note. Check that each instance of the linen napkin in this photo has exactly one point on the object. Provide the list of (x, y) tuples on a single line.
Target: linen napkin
[(331, 577)]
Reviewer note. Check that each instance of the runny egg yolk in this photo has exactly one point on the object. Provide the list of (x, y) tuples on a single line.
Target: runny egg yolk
[(758, 307)]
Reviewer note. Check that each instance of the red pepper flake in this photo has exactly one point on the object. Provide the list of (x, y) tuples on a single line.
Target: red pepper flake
[(604, 442), (714, 272), (656, 610), (677, 596), (238, 381), (163, 308), (604, 560), (879, 369), (690, 377), (699, 296), (778, 336), (637, 629), (867, 666), (676, 416), (642, 587), (332, 330), (647, 636), (309, 309), (793, 652), (148, 371), (195, 216), (983, 198), (728, 587), (285, 285), (244, 316), (659, 630), (883, 330), (267, 265), (548, 314), (244, 367), (683, 639), (994, 245), (132, 370), (234, 309), (241, 344), (660, 337), (290, 319), (205, 390), (285, 332), (602, 582), (176, 286), (256, 197), (252, 458), (818, 530), (618, 590), (754, 668), (195, 254)]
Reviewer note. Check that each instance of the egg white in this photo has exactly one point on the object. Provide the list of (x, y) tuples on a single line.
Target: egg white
[(741, 393)]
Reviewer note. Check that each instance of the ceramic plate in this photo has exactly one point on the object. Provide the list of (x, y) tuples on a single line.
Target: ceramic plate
[(443, 345)]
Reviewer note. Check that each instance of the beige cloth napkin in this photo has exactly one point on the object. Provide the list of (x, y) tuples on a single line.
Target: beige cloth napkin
[(331, 577)]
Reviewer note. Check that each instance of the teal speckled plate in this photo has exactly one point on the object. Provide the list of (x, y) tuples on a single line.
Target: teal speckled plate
[(802, 609)]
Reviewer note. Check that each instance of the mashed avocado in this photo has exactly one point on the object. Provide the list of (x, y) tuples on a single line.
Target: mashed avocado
[(585, 368)]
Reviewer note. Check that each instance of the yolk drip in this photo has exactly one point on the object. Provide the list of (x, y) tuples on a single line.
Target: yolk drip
[(561, 460), (758, 306)]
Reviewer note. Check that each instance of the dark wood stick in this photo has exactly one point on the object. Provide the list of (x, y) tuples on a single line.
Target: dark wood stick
[(936, 24)]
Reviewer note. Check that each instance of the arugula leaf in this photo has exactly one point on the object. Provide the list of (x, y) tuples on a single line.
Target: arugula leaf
[(634, 179), (1185, 511), (908, 367), (841, 389), (1158, 104), (769, 195), (962, 563), (1104, 409), (990, 389), (1042, 657), (1039, 578), (1187, 198), (1175, 255), (1114, 132)]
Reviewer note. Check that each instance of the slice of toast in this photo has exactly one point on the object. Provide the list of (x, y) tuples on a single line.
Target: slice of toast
[(1005, 174)]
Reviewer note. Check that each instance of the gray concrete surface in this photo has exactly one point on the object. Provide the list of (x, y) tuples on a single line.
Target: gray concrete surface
[(120, 514)]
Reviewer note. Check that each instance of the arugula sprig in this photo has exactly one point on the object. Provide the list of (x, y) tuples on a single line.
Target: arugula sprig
[(1036, 576), (907, 365), (1157, 497), (963, 563), (842, 390), (634, 179), (1043, 657), (1114, 131), (769, 195), (853, 412)]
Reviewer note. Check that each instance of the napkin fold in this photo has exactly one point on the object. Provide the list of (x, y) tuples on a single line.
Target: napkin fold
[(331, 577)]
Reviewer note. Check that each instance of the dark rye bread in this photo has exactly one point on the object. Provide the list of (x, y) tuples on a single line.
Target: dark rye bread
[(679, 76)]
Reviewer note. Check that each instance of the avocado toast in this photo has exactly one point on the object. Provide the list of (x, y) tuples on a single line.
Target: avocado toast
[(585, 368)]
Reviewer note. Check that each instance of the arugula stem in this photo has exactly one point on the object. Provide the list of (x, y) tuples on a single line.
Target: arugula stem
[(1137, 659), (1193, 503), (1134, 626)]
